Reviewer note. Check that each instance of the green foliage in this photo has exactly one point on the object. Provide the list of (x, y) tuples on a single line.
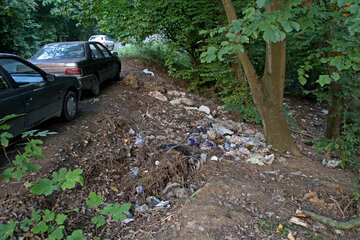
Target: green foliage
[(63, 179), (94, 200), (247, 111), (7, 230), (114, 210)]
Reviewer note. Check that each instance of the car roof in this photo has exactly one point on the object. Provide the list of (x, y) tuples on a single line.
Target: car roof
[(73, 42)]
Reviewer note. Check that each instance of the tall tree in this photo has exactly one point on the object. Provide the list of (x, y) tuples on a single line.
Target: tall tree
[(268, 91)]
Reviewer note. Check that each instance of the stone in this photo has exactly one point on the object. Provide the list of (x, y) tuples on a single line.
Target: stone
[(182, 193), (204, 109), (158, 95), (175, 93), (260, 136), (249, 131), (131, 81), (184, 101)]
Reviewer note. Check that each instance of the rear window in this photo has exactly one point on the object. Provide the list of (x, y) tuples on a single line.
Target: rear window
[(60, 51)]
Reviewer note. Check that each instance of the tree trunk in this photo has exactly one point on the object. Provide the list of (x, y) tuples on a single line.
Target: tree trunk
[(335, 107), (268, 92)]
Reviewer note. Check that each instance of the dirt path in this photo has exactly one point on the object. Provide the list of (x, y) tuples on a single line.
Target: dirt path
[(126, 130)]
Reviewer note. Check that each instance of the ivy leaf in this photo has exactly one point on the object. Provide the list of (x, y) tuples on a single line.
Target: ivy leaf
[(98, 220), (44, 133), (48, 216), (324, 79), (116, 211), (60, 219), (41, 227), (7, 230), (335, 76), (7, 174), (295, 25), (260, 3), (76, 235), (4, 139), (249, 13), (94, 200), (57, 234), (5, 127), (11, 116), (44, 186), (60, 176), (71, 178), (25, 223), (36, 215)]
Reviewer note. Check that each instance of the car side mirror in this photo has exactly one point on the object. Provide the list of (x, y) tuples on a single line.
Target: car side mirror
[(50, 77), (115, 53)]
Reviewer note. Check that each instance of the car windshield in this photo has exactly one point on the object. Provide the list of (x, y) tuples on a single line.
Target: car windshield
[(60, 51)]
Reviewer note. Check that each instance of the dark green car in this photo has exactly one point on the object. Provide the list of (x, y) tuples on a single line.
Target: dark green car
[(28, 90)]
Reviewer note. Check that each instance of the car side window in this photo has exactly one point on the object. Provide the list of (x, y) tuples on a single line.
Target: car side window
[(20, 72), (3, 84), (102, 48), (106, 38), (95, 52)]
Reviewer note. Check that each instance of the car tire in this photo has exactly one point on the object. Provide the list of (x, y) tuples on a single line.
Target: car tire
[(95, 86), (117, 74), (70, 106)]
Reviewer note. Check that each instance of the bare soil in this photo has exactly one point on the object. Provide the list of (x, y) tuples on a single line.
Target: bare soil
[(225, 199)]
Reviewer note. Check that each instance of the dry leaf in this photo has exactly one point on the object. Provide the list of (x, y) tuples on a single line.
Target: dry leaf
[(310, 195), (318, 202), (340, 190), (28, 235), (114, 189), (299, 213), (290, 236), (298, 221)]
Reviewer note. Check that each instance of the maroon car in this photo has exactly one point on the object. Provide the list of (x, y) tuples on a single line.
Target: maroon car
[(90, 62)]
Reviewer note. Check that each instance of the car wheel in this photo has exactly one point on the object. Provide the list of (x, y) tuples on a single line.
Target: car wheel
[(70, 106), (95, 86)]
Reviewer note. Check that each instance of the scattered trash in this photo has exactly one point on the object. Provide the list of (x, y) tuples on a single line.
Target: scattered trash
[(139, 141), (204, 109), (257, 159), (203, 158), (222, 130), (194, 142), (214, 158), (152, 201), (170, 187), (142, 208), (158, 95), (324, 111), (127, 220), (132, 132), (176, 147), (162, 204), (146, 71), (140, 189), (298, 221), (134, 172), (332, 163)]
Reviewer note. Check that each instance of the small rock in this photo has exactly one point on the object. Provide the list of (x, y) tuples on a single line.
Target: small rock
[(204, 109), (131, 81), (184, 101), (260, 136), (332, 163), (158, 95), (201, 228), (182, 193), (249, 131), (176, 93)]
